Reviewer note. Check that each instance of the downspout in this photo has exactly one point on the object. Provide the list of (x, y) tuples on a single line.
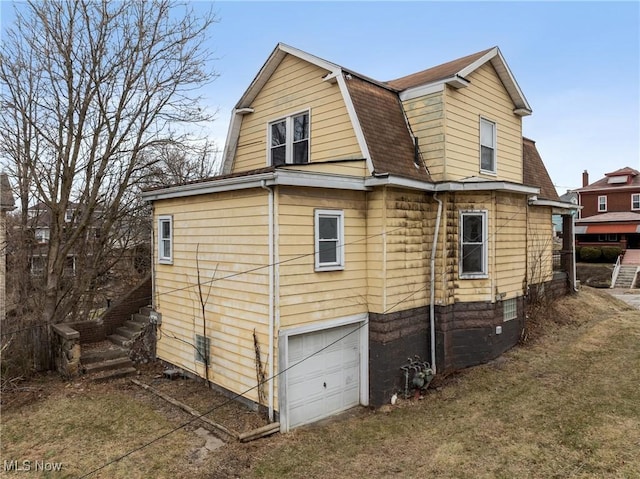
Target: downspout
[(573, 251), (432, 286), (271, 299)]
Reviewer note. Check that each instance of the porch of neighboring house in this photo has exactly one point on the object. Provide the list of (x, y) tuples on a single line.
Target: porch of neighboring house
[(563, 257), (625, 273)]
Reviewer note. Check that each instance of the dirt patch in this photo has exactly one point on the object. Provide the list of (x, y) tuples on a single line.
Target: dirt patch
[(594, 274), (195, 393)]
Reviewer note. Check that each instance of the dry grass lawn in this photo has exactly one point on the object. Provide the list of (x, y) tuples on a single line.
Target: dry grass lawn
[(566, 405)]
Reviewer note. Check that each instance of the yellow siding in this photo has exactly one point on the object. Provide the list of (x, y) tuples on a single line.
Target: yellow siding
[(426, 115), (486, 97), (409, 234), (296, 86), (540, 245), (221, 237), (510, 231), (376, 250), (308, 296)]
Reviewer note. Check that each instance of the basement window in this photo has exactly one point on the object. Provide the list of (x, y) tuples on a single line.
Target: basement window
[(203, 349), (510, 309)]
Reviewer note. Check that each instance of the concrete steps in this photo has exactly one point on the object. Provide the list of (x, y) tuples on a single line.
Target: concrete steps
[(112, 360), (626, 276), (105, 364)]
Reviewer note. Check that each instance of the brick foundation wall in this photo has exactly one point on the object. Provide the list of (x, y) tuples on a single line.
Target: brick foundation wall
[(393, 338), (467, 335)]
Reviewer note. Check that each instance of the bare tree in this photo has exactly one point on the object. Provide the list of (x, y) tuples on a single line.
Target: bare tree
[(91, 91)]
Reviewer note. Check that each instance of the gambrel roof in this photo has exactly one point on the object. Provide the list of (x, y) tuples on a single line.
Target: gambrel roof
[(375, 108)]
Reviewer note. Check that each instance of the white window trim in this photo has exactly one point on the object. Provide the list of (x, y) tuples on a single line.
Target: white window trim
[(289, 142), (165, 259), (601, 210), (339, 264), (638, 201), (493, 172), (485, 245)]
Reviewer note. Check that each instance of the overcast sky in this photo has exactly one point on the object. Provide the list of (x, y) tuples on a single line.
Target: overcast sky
[(578, 63)]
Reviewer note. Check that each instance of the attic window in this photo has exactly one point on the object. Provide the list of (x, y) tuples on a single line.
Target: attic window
[(289, 140), (487, 146), (616, 180)]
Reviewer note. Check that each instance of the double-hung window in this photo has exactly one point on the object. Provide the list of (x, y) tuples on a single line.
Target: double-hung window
[(602, 203), (635, 201), (329, 240), (289, 140), (165, 239), (487, 146), (473, 244)]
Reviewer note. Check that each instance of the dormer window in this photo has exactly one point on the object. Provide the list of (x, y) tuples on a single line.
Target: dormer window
[(289, 140), (68, 215)]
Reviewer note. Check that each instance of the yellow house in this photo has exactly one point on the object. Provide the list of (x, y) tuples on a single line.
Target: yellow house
[(356, 223)]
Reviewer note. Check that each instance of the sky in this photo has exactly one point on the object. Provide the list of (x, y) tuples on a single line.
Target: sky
[(577, 63)]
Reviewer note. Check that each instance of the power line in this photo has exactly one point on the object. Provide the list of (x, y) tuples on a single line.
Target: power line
[(238, 395)]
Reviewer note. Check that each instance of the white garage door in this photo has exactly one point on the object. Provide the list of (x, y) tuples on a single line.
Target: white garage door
[(327, 382)]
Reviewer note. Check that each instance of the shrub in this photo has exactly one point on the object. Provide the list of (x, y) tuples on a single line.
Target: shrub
[(590, 254), (611, 253)]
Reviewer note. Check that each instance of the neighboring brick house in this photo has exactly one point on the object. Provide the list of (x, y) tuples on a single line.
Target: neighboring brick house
[(40, 226), (610, 214), (7, 203)]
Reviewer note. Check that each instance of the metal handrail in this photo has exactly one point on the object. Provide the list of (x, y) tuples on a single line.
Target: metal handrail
[(616, 271)]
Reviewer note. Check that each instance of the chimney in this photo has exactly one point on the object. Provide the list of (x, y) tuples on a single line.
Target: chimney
[(585, 178)]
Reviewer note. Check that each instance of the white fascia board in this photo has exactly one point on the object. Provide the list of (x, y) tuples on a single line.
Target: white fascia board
[(504, 72), (391, 180), (487, 186), (478, 63), (332, 67), (317, 180), (510, 83), (231, 142), (422, 90), (206, 187), (357, 128), (274, 178), (555, 204)]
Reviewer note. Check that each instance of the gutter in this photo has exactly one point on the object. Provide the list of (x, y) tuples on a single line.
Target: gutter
[(271, 298), (432, 286)]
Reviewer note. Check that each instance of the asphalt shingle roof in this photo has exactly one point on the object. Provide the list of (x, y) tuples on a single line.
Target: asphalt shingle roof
[(535, 173), (383, 124)]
